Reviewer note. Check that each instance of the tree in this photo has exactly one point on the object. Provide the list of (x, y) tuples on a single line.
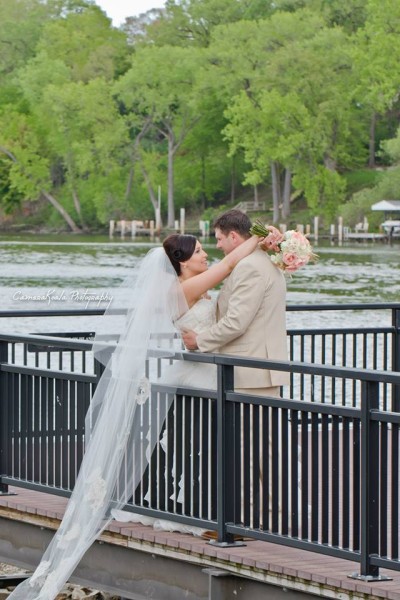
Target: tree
[(295, 112), (376, 50), (28, 172), (155, 91), (272, 133), (86, 43), (191, 22), (65, 138)]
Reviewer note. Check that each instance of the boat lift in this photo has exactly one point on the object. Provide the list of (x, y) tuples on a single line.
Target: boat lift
[(391, 210)]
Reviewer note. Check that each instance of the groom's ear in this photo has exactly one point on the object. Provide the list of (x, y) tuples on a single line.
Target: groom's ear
[(236, 238)]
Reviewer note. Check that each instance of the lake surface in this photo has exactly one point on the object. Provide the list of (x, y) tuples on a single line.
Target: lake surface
[(43, 273)]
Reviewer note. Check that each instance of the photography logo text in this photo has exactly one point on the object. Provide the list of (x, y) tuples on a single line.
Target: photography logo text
[(92, 299)]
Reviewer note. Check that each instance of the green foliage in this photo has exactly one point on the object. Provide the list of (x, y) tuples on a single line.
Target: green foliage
[(86, 44), (197, 100), (349, 14), (386, 188), (192, 22), (363, 178), (9, 197), (359, 207), (392, 148), (324, 189), (210, 214)]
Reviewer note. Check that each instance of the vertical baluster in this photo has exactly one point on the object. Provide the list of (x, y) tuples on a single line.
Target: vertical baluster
[(345, 498), (356, 483), (383, 483), (312, 399), (314, 475), (323, 359), (326, 477), (266, 468), (255, 450), (65, 432), (304, 475), (335, 474), (285, 470), (30, 439), (72, 434), (344, 364), (50, 430), (295, 474), (395, 491), (276, 456), (5, 419), (23, 425), (246, 472)]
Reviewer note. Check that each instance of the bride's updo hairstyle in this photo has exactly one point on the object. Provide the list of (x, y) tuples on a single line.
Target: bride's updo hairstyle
[(179, 247)]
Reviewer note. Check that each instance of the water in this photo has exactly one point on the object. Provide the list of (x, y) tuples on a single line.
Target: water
[(58, 273)]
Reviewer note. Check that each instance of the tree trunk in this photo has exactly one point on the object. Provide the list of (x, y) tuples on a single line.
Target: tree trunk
[(171, 204), (153, 197), (203, 184), (135, 155), (233, 173), (276, 191), (372, 126), (129, 183), (61, 210), (78, 208), (256, 199), (287, 184)]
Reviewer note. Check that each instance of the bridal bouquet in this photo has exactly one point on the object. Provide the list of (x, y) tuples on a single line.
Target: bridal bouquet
[(290, 250)]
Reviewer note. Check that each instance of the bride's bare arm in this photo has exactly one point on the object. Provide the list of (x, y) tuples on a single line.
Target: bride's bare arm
[(196, 286)]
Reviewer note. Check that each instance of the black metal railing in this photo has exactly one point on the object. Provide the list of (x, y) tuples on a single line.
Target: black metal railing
[(316, 469)]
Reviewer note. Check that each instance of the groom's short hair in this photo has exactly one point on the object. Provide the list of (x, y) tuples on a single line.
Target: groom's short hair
[(233, 220)]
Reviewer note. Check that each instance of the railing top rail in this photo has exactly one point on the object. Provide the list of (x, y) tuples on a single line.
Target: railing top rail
[(73, 312), (73, 342), (222, 359), (42, 340), (355, 306), (340, 331), (294, 367)]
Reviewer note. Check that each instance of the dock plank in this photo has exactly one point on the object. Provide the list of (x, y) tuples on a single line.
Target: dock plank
[(265, 562)]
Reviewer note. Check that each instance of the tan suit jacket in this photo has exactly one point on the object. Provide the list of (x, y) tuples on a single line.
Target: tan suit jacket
[(251, 320)]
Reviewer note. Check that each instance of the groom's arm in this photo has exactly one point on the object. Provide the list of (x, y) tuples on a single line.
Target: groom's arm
[(189, 338), (245, 300)]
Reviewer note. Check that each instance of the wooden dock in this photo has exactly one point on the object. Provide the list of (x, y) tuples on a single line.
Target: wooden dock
[(138, 562), (366, 237)]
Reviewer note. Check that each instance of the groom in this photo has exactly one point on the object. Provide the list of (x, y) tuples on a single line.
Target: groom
[(250, 312)]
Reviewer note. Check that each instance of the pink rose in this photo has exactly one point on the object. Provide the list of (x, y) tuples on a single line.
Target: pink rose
[(300, 237), (293, 262)]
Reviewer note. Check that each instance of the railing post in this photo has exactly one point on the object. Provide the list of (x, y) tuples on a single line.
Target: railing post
[(396, 357), (370, 517), (225, 500), (4, 428)]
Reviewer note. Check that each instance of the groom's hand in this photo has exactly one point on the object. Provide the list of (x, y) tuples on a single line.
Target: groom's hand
[(190, 339)]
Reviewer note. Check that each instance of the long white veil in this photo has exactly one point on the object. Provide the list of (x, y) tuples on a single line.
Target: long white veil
[(141, 319)]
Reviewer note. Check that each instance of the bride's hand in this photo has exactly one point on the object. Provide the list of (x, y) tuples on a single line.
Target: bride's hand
[(272, 240)]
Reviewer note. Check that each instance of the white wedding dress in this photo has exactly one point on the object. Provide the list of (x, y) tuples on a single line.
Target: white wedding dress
[(191, 374), (182, 374)]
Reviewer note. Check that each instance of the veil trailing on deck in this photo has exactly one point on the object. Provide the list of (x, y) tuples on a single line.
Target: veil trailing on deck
[(141, 319)]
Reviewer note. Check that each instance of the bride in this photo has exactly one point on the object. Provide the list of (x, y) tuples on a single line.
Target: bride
[(168, 292), (189, 261)]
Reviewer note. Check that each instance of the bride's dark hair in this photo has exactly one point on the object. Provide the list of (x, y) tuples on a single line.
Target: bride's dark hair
[(179, 247)]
